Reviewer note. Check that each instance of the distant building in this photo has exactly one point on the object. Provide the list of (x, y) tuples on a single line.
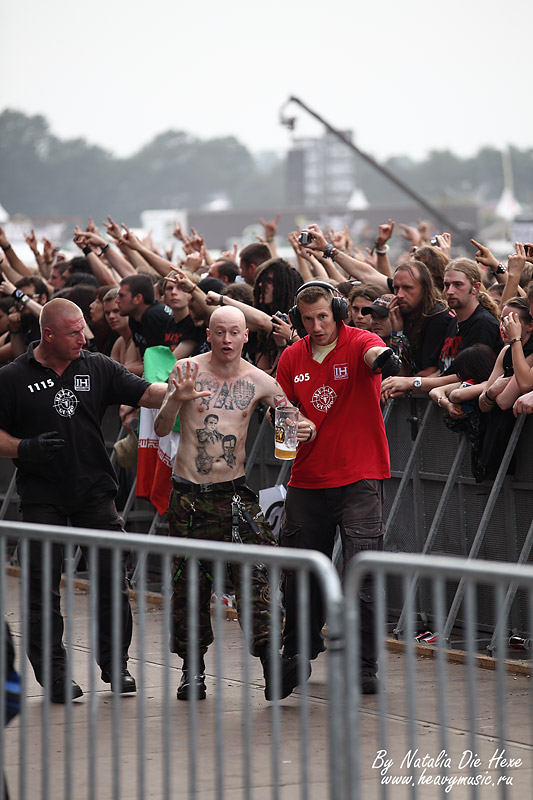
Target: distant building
[(321, 171)]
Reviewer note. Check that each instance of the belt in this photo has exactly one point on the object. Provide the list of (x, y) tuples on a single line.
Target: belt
[(185, 485)]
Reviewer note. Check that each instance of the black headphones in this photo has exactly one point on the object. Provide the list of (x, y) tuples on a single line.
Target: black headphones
[(339, 306)]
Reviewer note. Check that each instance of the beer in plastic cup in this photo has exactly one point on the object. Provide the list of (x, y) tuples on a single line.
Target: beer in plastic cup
[(286, 431)]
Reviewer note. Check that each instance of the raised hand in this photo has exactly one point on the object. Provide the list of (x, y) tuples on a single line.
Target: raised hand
[(319, 241), (91, 227), (385, 231), (90, 238), (295, 244), (78, 237), (130, 239), (231, 253), (424, 230), (196, 242), (270, 227), (182, 382), (395, 316), (7, 288), (178, 232), (340, 239), (411, 234), (444, 241), (517, 260), (31, 241), (212, 298), (181, 279), (484, 256), (194, 261), (112, 229), (510, 327), (281, 331)]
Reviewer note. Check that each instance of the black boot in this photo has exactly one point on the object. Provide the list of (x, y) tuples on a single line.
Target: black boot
[(290, 674), (192, 683)]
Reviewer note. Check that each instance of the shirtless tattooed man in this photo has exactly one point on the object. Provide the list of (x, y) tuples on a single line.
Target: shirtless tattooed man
[(215, 395)]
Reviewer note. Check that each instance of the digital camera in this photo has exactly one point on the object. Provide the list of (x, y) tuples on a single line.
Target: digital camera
[(305, 238)]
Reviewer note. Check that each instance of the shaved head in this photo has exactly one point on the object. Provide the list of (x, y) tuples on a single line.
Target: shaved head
[(227, 315), (58, 310)]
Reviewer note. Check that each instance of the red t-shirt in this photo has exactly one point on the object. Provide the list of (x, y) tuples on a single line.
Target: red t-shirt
[(341, 396)]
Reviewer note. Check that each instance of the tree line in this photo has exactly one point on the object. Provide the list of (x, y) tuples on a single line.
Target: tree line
[(42, 175)]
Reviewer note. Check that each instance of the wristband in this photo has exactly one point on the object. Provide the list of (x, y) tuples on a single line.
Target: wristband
[(381, 250), (86, 250), (6, 248), (499, 270), (310, 436), (104, 249), (330, 252), (487, 398), (18, 294), (221, 301), (516, 339)]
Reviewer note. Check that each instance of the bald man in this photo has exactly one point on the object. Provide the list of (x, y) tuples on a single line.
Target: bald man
[(215, 395), (52, 400)]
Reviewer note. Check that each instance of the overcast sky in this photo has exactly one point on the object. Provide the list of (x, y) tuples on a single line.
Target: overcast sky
[(407, 77)]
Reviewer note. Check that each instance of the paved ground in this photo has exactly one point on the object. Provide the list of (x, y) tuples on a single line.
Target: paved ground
[(142, 728)]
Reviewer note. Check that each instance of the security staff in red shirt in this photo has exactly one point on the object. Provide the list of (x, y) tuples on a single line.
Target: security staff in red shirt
[(333, 375)]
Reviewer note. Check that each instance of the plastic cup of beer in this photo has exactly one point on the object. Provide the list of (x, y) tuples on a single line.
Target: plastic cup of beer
[(286, 431)]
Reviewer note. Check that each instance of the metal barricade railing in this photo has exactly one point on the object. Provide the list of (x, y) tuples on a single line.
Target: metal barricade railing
[(441, 726), (147, 744)]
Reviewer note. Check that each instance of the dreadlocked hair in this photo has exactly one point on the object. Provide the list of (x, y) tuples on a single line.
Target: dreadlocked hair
[(430, 297), (286, 280), (472, 271)]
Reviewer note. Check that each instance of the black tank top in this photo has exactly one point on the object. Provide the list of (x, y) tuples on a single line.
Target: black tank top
[(508, 358)]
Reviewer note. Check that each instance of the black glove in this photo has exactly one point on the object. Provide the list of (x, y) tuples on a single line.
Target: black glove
[(40, 448), (388, 363)]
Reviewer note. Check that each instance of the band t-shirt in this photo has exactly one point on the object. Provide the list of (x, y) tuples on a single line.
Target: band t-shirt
[(341, 396), (149, 331), (183, 330), (431, 338), (481, 327)]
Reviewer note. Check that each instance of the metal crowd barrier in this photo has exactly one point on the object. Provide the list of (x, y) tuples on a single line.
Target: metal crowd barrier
[(232, 744), (441, 726), (433, 505)]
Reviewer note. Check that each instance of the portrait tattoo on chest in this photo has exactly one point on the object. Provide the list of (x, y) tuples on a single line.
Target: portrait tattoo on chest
[(224, 446)]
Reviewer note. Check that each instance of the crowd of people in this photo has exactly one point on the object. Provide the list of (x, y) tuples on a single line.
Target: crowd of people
[(335, 330)]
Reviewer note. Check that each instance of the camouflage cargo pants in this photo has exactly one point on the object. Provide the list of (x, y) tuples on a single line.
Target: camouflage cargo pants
[(207, 515)]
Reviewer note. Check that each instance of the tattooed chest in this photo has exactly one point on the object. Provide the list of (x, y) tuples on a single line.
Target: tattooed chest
[(234, 395)]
